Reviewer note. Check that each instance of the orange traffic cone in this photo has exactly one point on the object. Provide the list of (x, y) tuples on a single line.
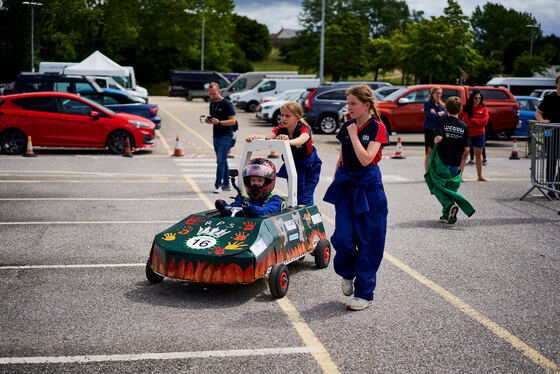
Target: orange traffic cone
[(398, 152), (127, 152), (514, 154), (273, 155), (29, 151), (178, 150)]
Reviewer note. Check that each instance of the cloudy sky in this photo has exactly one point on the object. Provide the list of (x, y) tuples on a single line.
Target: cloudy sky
[(283, 13)]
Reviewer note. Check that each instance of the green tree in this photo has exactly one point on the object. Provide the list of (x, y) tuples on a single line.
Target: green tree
[(253, 38), (383, 16), (525, 65), (438, 50), (303, 50), (345, 48), (502, 33), (382, 56)]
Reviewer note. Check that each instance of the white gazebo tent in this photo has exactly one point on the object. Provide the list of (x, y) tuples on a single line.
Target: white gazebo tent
[(97, 64)]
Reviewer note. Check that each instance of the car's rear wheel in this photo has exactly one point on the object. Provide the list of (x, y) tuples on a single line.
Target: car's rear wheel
[(189, 96), (252, 106), (151, 275), (328, 124), (116, 141), (279, 280), (277, 118), (322, 253), (13, 141)]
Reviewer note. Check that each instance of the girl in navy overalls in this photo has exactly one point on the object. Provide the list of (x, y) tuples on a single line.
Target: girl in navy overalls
[(359, 199), (308, 165)]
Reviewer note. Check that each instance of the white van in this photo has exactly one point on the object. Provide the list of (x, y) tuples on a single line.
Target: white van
[(522, 86), (249, 100), (246, 81)]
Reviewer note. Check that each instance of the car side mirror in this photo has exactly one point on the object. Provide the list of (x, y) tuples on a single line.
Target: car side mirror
[(93, 114), (403, 100)]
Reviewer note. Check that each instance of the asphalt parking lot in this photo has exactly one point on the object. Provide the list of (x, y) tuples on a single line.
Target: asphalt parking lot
[(480, 296)]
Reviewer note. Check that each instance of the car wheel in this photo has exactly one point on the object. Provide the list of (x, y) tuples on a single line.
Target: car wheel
[(151, 275), (279, 280), (277, 118), (13, 141), (328, 124), (322, 253), (189, 96), (116, 141), (252, 106)]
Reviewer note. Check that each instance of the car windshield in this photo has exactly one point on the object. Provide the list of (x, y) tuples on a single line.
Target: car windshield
[(395, 94), (97, 105)]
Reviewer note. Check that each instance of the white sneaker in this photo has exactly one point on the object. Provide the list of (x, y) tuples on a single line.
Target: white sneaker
[(358, 304), (347, 287), (218, 190), (227, 188)]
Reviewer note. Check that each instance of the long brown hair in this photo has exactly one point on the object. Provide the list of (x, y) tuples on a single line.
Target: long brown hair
[(364, 93), (432, 92)]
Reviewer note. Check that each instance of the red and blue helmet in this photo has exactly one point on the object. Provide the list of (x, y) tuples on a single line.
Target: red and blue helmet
[(259, 167)]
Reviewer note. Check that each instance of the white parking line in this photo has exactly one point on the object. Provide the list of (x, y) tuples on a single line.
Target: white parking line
[(97, 199), (75, 266), (155, 356), (81, 222)]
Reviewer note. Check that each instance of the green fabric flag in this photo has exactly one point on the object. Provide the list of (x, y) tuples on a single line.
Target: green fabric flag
[(444, 187)]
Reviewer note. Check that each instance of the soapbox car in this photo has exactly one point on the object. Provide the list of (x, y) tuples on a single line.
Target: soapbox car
[(209, 248)]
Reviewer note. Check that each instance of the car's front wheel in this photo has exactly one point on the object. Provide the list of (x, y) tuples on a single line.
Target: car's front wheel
[(252, 106), (116, 141), (13, 142), (328, 124), (279, 280), (151, 275)]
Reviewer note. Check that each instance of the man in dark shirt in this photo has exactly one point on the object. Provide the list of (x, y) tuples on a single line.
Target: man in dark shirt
[(222, 116), (549, 112)]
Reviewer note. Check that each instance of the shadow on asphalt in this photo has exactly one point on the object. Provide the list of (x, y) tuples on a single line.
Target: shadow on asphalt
[(434, 224), (190, 295)]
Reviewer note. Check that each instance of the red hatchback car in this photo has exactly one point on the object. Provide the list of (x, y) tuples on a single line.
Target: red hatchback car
[(58, 119)]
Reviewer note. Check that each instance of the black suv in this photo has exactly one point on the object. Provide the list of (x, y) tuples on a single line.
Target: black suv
[(32, 82), (191, 84), (321, 106)]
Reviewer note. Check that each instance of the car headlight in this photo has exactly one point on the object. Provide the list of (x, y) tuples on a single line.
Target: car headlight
[(139, 123)]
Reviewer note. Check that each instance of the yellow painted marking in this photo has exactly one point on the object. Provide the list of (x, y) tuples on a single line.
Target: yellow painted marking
[(210, 146), (318, 351), (158, 133), (499, 331)]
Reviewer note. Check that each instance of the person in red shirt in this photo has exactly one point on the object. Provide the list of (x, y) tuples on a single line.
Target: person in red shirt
[(476, 116)]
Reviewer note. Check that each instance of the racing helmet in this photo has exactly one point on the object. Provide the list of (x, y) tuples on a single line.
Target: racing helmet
[(259, 167)]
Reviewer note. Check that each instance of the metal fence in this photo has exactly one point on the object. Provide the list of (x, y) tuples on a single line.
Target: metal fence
[(545, 159)]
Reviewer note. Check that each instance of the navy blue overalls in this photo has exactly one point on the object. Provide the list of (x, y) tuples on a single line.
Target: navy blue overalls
[(307, 162), (361, 211)]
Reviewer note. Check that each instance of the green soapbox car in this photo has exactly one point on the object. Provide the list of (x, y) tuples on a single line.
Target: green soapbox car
[(209, 248)]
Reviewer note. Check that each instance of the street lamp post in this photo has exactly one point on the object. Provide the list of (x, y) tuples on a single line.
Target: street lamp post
[(322, 52), (531, 50), (32, 5), (189, 11)]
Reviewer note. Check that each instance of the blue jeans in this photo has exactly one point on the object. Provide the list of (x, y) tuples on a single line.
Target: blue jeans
[(221, 147)]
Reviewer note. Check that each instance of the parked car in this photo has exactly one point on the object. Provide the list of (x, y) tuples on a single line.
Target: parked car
[(32, 82), (403, 110), (270, 110), (60, 119), (527, 107), (246, 81), (383, 91), (321, 106), (249, 100), (193, 84), (541, 93), (373, 84), (522, 86), (110, 82), (123, 101)]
